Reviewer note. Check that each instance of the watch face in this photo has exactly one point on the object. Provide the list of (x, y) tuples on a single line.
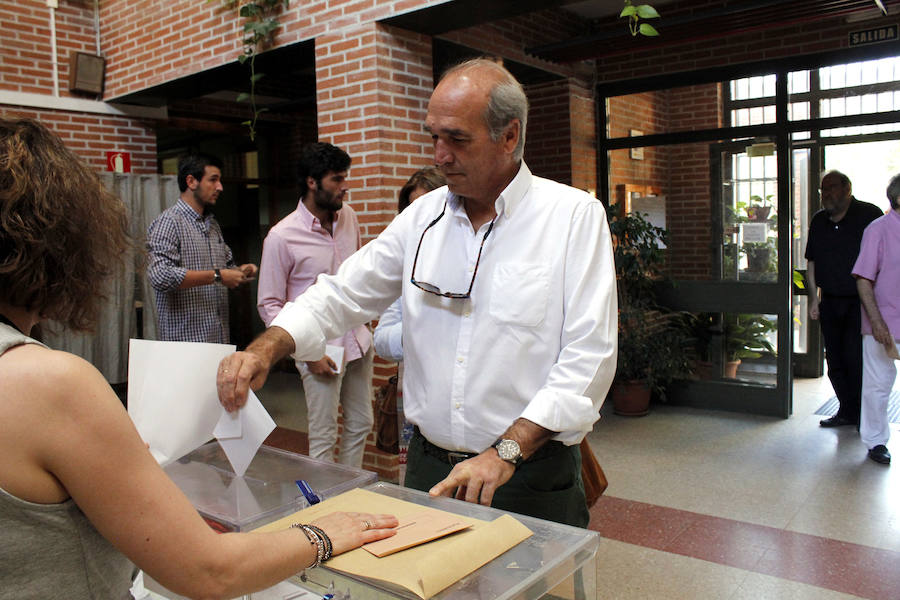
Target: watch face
[(509, 450)]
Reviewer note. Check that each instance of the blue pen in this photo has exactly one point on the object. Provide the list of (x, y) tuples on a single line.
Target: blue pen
[(307, 492)]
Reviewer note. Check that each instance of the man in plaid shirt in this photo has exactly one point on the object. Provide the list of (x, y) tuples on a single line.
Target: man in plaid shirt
[(190, 264)]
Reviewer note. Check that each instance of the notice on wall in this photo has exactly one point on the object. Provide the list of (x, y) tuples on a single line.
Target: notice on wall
[(654, 210), (754, 232)]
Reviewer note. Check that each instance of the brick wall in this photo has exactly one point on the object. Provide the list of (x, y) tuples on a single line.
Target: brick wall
[(583, 119), (647, 113), (26, 65), (372, 90), (26, 61), (688, 201), (91, 136), (561, 139), (152, 41), (548, 150)]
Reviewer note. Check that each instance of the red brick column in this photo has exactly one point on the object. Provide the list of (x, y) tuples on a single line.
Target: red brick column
[(561, 136), (372, 90)]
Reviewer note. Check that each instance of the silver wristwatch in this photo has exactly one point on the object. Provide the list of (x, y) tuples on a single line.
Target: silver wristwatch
[(509, 451), (217, 276)]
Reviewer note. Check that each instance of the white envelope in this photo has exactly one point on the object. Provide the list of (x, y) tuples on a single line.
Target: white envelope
[(173, 402), (253, 427)]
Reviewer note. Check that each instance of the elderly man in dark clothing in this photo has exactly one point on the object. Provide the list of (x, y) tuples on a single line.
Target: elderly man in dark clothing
[(835, 234)]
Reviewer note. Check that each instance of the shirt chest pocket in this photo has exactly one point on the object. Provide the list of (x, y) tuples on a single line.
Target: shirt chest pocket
[(520, 293)]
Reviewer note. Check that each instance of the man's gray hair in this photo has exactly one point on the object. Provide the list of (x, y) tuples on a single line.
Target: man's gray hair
[(893, 191), (506, 101)]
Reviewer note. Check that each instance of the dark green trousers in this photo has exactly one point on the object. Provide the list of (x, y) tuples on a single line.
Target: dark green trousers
[(549, 488)]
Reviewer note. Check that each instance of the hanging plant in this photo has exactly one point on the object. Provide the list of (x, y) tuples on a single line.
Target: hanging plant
[(635, 14), (260, 24)]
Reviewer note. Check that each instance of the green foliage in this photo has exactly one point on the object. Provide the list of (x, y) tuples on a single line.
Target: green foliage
[(260, 24), (652, 343), (743, 335), (639, 257), (635, 14), (746, 336)]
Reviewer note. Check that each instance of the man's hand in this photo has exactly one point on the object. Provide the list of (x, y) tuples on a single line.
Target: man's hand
[(249, 270), (231, 278), (475, 480), (238, 373), (324, 367), (881, 333), (813, 308)]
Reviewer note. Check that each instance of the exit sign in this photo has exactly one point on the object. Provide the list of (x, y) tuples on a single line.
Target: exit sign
[(887, 33)]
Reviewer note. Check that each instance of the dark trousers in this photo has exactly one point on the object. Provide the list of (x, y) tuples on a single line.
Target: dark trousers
[(840, 319), (549, 488)]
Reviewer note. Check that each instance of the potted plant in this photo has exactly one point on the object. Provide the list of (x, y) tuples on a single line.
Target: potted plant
[(761, 256), (651, 341), (758, 210), (746, 336), (743, 336)]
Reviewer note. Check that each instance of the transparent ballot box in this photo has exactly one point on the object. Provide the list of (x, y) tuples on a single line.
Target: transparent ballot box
[(558, 561), (266, 492)]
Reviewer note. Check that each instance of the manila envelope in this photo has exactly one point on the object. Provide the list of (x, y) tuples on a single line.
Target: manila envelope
[(417, 529), (425, 569)]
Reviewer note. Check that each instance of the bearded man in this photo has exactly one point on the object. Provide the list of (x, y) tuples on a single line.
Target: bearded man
[(835, 233), (314, 239)]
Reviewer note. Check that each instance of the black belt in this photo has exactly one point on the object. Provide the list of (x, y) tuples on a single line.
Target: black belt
[(451, 457)]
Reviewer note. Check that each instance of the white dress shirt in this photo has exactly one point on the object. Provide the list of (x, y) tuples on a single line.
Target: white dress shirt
[(389, 333), (537, 338)]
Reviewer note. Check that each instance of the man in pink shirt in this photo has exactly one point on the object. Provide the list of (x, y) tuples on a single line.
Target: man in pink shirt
[(877, 273), (314, 239)]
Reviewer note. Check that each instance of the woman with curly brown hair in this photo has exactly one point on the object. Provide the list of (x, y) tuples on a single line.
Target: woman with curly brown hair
[(81, 498)]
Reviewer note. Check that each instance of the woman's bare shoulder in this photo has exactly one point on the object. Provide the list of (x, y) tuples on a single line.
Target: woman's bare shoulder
[(46, 374)]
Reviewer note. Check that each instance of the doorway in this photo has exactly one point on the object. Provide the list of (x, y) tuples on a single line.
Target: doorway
[(737, 152)]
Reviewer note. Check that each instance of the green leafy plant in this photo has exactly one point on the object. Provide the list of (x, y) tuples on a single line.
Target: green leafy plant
[(743, 335), (746, 336), (635, 14), (260, 24), (652, 343), (758, 210)]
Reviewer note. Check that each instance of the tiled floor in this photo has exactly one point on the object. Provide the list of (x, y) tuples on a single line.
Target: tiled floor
[(705, 504)]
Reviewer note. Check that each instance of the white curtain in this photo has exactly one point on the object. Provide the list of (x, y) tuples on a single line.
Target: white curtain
[(145, 196)]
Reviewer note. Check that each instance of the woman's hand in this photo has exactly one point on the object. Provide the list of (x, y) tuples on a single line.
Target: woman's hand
[(349, 530)]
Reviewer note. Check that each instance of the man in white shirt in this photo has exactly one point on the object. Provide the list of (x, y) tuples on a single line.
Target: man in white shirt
[(509, 311)]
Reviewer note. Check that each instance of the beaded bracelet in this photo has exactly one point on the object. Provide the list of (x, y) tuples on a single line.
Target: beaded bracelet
[(315, 540), (327, 540)]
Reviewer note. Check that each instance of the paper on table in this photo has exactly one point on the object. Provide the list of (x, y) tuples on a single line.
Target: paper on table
[(425, 569), (335, 353), (254, 426), (417, 529)]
